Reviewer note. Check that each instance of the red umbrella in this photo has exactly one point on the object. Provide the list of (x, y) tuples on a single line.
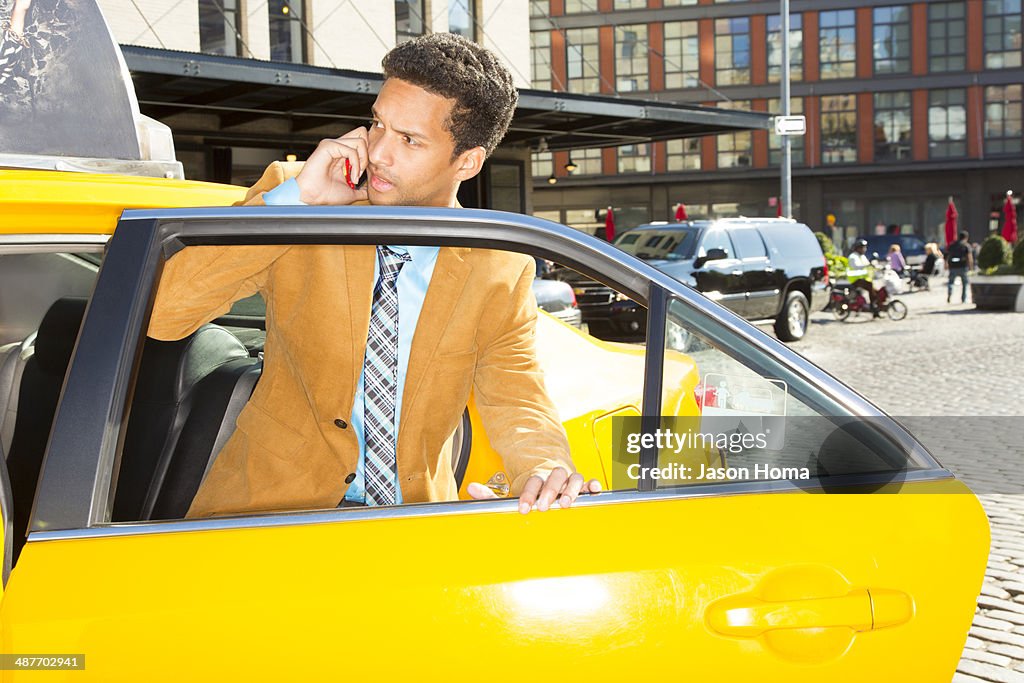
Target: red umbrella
[(609, 225), (1009, 219), (681, 212), (951, 216)]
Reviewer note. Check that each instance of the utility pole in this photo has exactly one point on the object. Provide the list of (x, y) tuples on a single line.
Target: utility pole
[(787, 161)]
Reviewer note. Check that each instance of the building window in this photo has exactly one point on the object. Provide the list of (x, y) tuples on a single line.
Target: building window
[(947, 44), (581, 60), (631, 58), (588, 161), (630, 4), (539, 8), (892, 39), (1002, 34), (839, 129), (796, 142), (682, 55), (735, 150), (287, 39), (409, 21), (634, 158), (677, 3), (947, 123), (796, 48), (892, 126), (579, 6), (732, 51), (683, 155), (540, 53), (837, 43), (218, 32), (462, 18), (543, 164), (1003, 130)]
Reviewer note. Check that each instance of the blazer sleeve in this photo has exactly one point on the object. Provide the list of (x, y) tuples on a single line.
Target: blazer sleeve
[(521, 421), (199, 284)]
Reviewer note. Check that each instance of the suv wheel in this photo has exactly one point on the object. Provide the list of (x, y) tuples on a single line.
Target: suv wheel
[(791, 325)]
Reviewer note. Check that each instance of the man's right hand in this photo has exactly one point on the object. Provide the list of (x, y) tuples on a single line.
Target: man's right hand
[(322, 179)]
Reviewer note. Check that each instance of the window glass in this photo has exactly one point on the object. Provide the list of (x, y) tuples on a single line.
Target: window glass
[(218, 27), (1003, 119), (630, 4), (732, 51), (838, 129), (1003, 34), (892, 126), (892, 39), (539, 8), (287, 42), (462, 18), (683, 155), (543, 166), (634, 158), (947, 43), (796, 142), (796, 47), (631, 58), (678, 3), (735, 150), (837, 43), (540, 54), (581, 50), (716, 238), (409, 19), (748, 243), (578, 6), (947, 123), (682, 54), (31, 282)]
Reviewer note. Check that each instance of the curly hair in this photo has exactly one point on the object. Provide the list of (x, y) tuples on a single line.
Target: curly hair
[(456, 68)]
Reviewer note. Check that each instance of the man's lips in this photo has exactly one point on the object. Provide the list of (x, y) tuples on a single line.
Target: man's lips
[(379, 183)]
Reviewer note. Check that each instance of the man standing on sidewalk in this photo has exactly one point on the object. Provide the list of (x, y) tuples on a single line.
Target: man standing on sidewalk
[(959, 260)]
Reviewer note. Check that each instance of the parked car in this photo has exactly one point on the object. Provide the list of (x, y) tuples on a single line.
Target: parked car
[(911, 246), (760, 268), (557, 298)]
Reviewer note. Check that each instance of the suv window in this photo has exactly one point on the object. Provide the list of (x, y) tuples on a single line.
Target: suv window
[(716, 238), (748, 243)]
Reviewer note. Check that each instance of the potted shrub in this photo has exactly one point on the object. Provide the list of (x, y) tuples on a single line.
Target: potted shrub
[(1000, 285)]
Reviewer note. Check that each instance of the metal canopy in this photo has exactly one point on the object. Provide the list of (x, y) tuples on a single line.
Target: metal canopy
[(244, 94)]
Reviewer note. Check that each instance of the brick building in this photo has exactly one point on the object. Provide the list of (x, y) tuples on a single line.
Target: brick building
[(906, 105)]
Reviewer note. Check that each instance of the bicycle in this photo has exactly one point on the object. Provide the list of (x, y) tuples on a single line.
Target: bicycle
[(849, 300)]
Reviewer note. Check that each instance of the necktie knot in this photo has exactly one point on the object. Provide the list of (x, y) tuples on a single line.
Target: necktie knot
[(390, 263)]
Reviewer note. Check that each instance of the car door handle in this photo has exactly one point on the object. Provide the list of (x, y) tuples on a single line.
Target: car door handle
[(861, 609)]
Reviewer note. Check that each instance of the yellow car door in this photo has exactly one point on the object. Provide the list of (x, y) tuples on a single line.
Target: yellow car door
[(868, 566)]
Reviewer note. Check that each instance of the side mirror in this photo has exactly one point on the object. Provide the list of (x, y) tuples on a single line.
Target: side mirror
[(712, 255)]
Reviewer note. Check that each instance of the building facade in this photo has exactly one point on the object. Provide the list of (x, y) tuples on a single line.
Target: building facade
[(907, 104)]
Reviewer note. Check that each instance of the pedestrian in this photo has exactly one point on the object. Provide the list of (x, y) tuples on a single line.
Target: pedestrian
[(959, 260), (896, 261)]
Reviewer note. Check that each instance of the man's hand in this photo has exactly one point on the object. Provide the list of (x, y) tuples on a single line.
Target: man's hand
[(322, 179), (559, 485)]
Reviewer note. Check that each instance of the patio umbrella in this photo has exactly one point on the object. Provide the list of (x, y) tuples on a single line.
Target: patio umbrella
[(951, 216), (609, 225), (681, 212), (1009, 219)]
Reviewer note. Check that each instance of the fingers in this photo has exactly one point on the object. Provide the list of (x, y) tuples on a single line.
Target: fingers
[(480, 492), (571, 490), (530, 492), (560, 485), (324, 178), (552, 487)]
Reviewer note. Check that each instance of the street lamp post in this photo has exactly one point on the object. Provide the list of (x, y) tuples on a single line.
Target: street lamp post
[(787, 161)]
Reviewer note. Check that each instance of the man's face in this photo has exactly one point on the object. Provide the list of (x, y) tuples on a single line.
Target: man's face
[(410, 148)]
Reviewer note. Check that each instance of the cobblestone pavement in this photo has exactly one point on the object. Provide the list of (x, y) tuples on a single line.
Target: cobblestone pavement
[(953, 361)]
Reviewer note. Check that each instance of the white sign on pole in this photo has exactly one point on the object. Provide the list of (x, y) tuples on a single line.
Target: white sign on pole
[(790, 125)]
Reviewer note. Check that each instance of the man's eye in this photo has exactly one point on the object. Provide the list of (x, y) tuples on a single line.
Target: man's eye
[(409, 140), (374, 123)]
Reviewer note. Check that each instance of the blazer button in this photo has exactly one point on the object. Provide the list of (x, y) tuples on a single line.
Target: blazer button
[(350, 478), (340, 424)]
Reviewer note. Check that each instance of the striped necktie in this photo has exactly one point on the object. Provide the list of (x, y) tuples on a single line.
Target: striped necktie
[(381, 382)]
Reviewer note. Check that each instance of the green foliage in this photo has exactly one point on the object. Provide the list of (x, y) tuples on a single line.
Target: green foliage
[(1018, 254), (827, 247), (995, 251), (837, 265)]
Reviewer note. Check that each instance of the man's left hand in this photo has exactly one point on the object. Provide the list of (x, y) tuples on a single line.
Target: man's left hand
[(559, 485)]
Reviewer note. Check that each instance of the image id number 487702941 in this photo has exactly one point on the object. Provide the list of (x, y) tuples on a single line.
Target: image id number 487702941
[(27, 662)]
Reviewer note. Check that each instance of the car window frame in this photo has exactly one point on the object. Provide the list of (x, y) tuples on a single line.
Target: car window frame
[(78, 477)]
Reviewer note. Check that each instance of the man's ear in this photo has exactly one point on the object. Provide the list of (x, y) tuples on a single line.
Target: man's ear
[(470, 163)]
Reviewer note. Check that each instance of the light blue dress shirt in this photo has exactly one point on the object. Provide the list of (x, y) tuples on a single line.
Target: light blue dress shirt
[(412, 283)]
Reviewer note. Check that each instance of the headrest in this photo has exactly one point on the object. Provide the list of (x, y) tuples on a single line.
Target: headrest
[(170, 370), (57, 334)]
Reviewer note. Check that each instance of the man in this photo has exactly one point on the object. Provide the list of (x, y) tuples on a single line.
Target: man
[(859, 273), (959, 259), (371, 352)]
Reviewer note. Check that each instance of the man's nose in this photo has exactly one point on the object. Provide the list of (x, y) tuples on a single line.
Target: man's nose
[(379, 151)]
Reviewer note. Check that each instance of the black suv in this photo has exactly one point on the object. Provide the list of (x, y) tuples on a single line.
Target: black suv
[(760, 268)]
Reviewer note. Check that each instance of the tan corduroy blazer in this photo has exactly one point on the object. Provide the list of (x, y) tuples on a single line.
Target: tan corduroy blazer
[(293, 448)]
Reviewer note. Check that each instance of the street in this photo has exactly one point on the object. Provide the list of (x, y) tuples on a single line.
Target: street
[(953, 375)]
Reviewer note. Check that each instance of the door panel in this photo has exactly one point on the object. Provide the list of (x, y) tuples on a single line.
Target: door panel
[(599, 592)]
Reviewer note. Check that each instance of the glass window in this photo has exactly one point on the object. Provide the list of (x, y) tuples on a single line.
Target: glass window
[(287, 39), (947, 43), (1003, 119), (588, 161), (682, 54), (631, 58), (540, 8), (947, 123), (796, 48), (732, 51), (735, 150), (683, 155), (1002, 34), (748, 243), (630, 4), (540, 53), (837, 42), (716, 238), (892, 126), (581, 56), (678, 3), (892, 39), (409, 21), (543, 164), (634, 158), (796, 142), (578, 6), (462, 18), (218, 32), (838, 129)]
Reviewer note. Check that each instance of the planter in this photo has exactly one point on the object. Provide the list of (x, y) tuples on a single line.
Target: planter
[(998, 292)]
